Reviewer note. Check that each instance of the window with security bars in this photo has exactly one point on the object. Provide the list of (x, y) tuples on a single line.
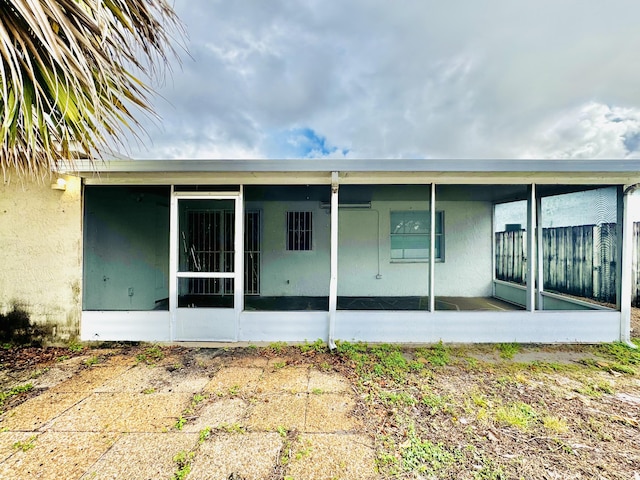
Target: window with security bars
[(299, 231)]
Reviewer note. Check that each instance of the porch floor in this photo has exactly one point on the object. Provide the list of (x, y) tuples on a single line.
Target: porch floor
[(275, 304)]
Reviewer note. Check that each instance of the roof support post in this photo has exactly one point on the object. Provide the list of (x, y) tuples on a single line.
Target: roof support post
[(625, 267), (238, 282), (432, 248), (333, 280), (531, 247), (539, 254)]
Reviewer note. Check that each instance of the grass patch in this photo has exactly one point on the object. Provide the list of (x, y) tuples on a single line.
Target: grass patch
[(437, 355), (508, 350), (555, 424), (517, 414)]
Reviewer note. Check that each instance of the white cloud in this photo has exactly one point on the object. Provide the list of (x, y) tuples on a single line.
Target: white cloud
[(403, 79)]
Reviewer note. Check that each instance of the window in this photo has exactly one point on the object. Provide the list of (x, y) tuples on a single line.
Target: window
[(299, 230), (410, 235)]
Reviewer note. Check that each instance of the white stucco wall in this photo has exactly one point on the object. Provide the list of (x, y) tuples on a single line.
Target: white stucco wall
[(466, 271), (40, 255), (293, 273), (363, 238)]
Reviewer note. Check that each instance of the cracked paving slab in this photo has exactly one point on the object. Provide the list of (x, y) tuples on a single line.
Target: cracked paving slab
[(251, 456), (123, 412), (56, 455), (141, 455)]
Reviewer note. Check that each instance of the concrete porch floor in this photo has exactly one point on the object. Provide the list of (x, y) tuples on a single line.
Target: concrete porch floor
[(377, 303)]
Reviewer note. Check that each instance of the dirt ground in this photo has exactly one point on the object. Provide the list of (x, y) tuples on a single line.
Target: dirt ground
[(436, 411)]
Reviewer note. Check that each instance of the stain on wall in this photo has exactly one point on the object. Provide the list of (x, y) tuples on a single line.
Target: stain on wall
[(40, 256)]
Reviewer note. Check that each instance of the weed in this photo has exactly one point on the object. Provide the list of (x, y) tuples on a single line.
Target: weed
[(596, 389), (435, 402), (398, 398), (183, 461), (15, 391), (276, 347), (555, 424), (489, 471), (305, 451), (279, 365), (90, 362), (518, 414), (197, 398), (423, 456), (180, 423), (232, 428), (234, 390), (252, 347), (317, 391), (281, 431), (28, 444), (324, 366), (75, 347), (508, 350), (151, 355), (148, 391), (204, 434), (437, 355), (62, 358), (316, 347)]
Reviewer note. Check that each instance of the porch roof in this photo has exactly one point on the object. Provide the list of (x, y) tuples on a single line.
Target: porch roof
[(318, 171)]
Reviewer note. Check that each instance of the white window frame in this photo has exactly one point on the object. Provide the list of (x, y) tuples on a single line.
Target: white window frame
[(439, 236)]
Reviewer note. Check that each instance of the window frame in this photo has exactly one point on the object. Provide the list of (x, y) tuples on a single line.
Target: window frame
[(439, 237)]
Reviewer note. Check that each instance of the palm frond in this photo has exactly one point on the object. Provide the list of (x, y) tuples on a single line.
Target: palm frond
[(67, 75)]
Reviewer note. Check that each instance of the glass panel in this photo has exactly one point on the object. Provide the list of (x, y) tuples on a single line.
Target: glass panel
[(206, 235), (205, 292), (126, 248)]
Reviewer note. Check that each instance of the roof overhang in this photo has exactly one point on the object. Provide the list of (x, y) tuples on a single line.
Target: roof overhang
[(388, 171)]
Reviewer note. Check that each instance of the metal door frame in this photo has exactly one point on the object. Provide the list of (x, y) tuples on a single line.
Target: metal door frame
[(238, 268)]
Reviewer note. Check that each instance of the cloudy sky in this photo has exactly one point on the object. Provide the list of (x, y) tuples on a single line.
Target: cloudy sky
[(402, 79)]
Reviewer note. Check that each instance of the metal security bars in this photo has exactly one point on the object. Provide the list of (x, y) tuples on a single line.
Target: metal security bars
[(252, 253), (299, 231)]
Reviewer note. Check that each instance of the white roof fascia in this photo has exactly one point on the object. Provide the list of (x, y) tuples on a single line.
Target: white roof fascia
[(373, 165)]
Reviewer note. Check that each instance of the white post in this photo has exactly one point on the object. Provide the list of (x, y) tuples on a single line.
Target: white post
[(624, 290), (432, 249), (238, 278), (173, 263), (333, 281), (539, 255), (531, 248)]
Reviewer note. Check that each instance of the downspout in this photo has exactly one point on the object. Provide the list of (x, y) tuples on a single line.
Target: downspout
[(625, 280), (333, 281)]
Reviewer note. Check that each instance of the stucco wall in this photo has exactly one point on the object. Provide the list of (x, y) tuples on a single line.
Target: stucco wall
[(40, 256), (363, 238), (466, 271), (292, 273)]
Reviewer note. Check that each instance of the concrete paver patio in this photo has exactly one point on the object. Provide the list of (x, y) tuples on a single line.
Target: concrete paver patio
[(248, 418)]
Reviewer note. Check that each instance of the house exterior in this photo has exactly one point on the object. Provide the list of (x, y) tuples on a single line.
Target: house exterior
[(286, 250)]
